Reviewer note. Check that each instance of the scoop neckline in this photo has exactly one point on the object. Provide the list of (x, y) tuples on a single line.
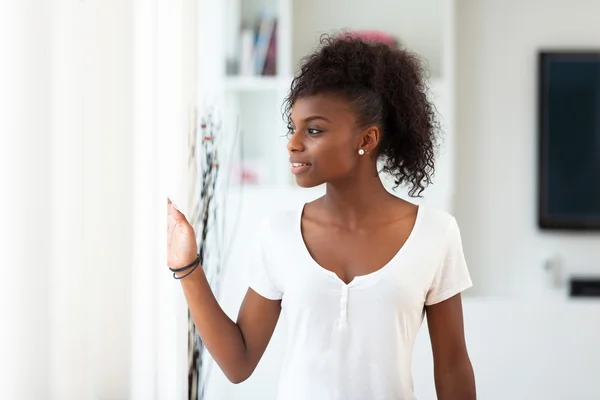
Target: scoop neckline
[(358, 278)]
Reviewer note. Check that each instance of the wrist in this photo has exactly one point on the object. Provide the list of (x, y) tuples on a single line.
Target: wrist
[(184, 263), (187, 269), (186, 275)]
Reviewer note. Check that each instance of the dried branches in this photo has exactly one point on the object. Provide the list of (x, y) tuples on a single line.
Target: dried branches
[(208, 200)]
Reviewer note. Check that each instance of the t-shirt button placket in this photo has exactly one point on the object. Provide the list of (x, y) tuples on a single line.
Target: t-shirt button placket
[(344, 304)]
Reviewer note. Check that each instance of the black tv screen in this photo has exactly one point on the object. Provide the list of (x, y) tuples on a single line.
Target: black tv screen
[(569, 146)]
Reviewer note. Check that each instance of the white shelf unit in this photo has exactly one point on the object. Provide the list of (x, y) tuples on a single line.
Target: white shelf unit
[(246, 13), (254, 103)]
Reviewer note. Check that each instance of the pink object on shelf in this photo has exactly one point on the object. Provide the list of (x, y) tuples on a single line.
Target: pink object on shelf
[(374, 36)]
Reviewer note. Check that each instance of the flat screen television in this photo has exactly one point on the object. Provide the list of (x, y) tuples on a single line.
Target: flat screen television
[(569, 140)]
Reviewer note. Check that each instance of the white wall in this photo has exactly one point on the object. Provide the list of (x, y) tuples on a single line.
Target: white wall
[(533, 350), (495, 201), (418, 24), (535, 343)]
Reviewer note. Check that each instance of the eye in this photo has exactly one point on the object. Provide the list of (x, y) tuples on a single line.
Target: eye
[(290, 130), (313, 131)]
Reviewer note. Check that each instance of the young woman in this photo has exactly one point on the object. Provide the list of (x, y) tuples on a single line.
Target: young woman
[(356, 270)]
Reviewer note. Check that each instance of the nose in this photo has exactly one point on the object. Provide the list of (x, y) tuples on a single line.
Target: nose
[(295, 143)]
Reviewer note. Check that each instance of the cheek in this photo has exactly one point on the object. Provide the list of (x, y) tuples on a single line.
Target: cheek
[(337, 158)]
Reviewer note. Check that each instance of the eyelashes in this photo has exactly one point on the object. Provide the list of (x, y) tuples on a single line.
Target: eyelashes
[(310, 131)]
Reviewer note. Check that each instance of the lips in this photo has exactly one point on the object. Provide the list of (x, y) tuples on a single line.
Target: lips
[(299, 167)]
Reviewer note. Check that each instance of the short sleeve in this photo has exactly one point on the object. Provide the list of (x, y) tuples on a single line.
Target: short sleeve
[(452, 275), (259, 272)]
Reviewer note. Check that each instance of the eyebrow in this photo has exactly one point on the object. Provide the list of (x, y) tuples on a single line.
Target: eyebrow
[(314, 117)]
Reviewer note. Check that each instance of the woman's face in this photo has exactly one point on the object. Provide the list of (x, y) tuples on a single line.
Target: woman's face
[(324, 140)]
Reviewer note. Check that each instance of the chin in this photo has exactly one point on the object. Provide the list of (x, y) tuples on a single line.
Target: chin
[(306, 182)]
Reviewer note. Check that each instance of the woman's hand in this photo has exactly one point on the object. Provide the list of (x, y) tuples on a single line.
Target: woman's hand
[(181, 239)]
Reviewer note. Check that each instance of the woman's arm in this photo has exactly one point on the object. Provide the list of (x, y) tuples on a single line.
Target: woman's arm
[(454, 378), (236, 347)]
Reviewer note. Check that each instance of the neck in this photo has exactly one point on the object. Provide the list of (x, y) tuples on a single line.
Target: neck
[(352, 202)]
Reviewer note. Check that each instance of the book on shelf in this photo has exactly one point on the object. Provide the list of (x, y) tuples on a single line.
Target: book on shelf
[(258, 47), (270, 66), (246, 64)]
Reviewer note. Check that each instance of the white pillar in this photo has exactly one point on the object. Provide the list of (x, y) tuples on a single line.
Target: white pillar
[(164, 38), (145, 204), (174, 102), (25, 199)]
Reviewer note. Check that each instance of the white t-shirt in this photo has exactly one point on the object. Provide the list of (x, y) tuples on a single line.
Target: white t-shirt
[(355, 341)]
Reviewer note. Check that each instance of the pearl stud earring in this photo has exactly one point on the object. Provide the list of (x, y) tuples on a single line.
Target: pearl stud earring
[(361, 152)]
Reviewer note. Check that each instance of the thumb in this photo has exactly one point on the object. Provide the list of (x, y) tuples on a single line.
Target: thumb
[(174, 210)]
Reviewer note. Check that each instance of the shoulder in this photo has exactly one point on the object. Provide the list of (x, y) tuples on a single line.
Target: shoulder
[(436, 221)]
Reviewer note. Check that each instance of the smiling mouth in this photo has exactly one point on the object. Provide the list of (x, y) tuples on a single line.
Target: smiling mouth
[(298, 168)]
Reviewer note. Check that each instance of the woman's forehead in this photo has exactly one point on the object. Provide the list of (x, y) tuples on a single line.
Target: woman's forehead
[(327, 105)]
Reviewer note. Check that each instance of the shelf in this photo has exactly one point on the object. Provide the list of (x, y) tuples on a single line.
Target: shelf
[(257, 83)]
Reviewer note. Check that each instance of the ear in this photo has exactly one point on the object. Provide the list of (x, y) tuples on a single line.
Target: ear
[(370, 139)]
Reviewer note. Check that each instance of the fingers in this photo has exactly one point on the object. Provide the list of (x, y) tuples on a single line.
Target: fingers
[(174, 211), (171, 206)]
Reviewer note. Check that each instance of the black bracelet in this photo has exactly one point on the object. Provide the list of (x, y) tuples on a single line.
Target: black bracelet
[(196, 261), (193, 269)]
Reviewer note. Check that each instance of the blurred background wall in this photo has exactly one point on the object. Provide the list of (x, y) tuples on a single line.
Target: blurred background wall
[(95, 112), (496, 105)]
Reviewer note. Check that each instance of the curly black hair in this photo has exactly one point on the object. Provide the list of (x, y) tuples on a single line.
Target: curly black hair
[(386, 87)]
